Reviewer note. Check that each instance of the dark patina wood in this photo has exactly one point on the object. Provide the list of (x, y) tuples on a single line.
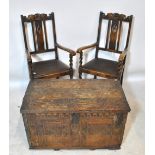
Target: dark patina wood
[(102, 67), (44, 69), (65, 114)]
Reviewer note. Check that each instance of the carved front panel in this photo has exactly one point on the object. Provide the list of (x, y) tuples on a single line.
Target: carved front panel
[(75, 129), (102, 129), (96, 129), (50, 130)]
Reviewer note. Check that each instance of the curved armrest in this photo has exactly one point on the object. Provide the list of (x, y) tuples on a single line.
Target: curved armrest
[(66, 49), (86, 47), (28, 56)]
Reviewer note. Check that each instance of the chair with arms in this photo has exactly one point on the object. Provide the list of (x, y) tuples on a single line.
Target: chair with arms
[(103, 67), (50, 68)]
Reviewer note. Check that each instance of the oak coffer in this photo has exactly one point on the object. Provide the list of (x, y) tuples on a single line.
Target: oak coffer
[(66, 114)]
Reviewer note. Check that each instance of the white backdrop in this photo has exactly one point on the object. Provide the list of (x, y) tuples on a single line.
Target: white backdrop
[(76, 25)]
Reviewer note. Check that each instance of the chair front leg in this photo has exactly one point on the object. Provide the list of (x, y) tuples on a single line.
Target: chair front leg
[(71, 74), (120, 71), (80, 65), (71, 65), (81, 57)]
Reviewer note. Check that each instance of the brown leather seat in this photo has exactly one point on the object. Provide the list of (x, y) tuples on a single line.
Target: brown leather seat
[(102, 66), (43, 68)]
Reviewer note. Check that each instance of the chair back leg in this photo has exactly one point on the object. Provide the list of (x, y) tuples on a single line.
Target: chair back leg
[(80, 75), (121, 80), (71, 74)]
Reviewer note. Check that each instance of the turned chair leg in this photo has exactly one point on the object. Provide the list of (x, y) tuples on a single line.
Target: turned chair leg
[(71, 66), (71, 76)]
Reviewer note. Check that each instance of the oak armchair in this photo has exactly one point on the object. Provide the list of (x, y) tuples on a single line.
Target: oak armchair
[(103, 67), (50, 68)]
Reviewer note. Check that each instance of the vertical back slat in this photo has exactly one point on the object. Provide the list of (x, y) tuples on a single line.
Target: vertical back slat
[(113, 34), (119, 34), (45, 31), (33, 33), (107, 37), (39, 34)]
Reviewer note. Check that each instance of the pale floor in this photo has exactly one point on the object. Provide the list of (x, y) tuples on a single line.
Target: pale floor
[(133, 141)]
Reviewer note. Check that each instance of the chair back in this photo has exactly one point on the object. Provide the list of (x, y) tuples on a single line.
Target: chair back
[(114, 31), (38, 26)]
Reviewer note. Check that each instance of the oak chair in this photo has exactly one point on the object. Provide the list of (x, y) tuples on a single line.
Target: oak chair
[(50, 68), (103, 67)]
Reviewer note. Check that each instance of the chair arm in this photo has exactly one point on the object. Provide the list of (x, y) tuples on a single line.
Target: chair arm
[(28, 56), (122, 56), (66, 49), (79, 50)]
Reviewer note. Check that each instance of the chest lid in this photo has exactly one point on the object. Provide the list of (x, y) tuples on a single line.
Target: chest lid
[(48, 95)]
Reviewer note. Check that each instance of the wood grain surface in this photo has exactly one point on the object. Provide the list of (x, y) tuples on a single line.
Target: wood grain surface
[(74, 95)]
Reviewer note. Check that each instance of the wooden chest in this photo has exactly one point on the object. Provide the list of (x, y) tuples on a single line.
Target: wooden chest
[(65, 114)]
